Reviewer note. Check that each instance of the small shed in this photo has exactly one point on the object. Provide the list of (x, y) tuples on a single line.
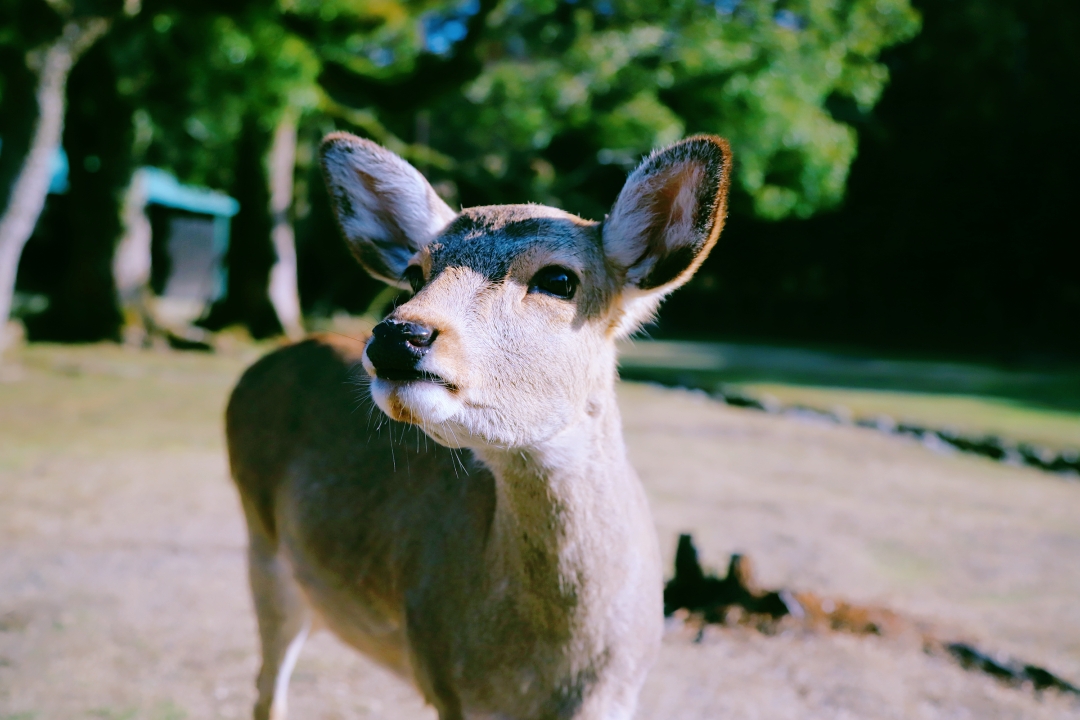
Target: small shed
[(189, 238), (175, 244)]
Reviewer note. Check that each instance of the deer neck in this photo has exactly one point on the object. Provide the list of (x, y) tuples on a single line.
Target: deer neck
[(567, 510)]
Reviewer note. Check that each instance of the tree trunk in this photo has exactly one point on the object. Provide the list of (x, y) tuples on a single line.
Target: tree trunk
[(18, 111), (30, 189), (281, 165), (251, 253), (98, 138), (132, 261)]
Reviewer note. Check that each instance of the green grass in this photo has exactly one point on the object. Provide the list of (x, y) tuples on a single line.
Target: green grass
[(969, 415), (1036, 406)]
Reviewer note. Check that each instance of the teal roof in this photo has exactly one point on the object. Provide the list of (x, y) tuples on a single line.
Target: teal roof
[(164, 189)]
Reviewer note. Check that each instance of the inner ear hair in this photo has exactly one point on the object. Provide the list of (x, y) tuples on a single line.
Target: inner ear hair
[(669, 214), (385, 208)]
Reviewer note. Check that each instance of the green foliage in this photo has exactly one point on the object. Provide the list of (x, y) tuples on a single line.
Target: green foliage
[(625, 77), (958, 228), (198, 72), (563, 92), (196, 76)]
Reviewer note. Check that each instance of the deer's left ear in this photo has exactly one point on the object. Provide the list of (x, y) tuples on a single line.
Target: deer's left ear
[(668, 215), (386, 209)]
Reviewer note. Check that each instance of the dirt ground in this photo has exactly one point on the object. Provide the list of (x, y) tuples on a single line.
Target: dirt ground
[(123, 591)]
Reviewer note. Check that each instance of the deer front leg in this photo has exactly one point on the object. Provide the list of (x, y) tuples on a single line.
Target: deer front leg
[(284, 622)]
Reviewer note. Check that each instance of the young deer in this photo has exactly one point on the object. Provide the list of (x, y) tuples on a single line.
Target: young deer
[(520, 578)]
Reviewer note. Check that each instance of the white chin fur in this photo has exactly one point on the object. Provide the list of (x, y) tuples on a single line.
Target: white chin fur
[(428, 402)]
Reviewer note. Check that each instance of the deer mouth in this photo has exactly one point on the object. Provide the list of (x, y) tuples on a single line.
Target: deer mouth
[(415, 396), (410, 375)]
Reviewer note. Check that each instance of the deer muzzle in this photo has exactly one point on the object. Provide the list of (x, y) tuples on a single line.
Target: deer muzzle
[(397, 348)]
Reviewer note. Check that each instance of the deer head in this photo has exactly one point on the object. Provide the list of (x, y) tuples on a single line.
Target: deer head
[(509, 337)]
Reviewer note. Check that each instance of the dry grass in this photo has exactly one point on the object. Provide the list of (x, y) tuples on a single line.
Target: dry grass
[(122, 581)]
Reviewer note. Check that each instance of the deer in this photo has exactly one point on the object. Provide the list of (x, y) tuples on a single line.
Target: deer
[(510, 568)]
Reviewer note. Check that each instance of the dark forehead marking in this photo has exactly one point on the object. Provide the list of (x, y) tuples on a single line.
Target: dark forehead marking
[(487, 239)]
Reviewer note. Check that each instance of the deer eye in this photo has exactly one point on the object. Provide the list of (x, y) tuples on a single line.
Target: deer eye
[(415, 277), (555, 281)]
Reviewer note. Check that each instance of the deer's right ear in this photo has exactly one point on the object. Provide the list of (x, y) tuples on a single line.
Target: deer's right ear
[(386, 209), (665, 221), (668, 215)]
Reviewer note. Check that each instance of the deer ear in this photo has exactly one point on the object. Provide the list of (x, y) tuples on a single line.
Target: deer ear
[(668, 215), (384, 206)]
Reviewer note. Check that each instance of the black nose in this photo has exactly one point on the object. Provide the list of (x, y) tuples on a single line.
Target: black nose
[(396, 348)]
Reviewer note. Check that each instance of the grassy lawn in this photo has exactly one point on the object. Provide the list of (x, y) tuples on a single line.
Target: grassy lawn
[(968, 415), (1020, 405)]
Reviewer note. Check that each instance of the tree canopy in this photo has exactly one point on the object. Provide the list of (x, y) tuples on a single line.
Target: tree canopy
[(496, 100), (567, 96), (534, 98)]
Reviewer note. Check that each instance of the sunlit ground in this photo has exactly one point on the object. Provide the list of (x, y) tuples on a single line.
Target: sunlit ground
[(122, 576)]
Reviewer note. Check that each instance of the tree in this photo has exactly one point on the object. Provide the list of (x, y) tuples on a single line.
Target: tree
[(213, 92), (52, 63), (555, 101), (542, 100), (225, 96), (86, 220), (570, 95)]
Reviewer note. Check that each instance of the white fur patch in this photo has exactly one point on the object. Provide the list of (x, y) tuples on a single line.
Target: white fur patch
[(643, 213), (279, 705), (428, 403)]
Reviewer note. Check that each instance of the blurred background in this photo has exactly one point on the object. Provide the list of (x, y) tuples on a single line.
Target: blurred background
[(904, 183), (897, 286)]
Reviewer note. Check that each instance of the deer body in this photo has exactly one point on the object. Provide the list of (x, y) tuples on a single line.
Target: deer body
[(521, 578)]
